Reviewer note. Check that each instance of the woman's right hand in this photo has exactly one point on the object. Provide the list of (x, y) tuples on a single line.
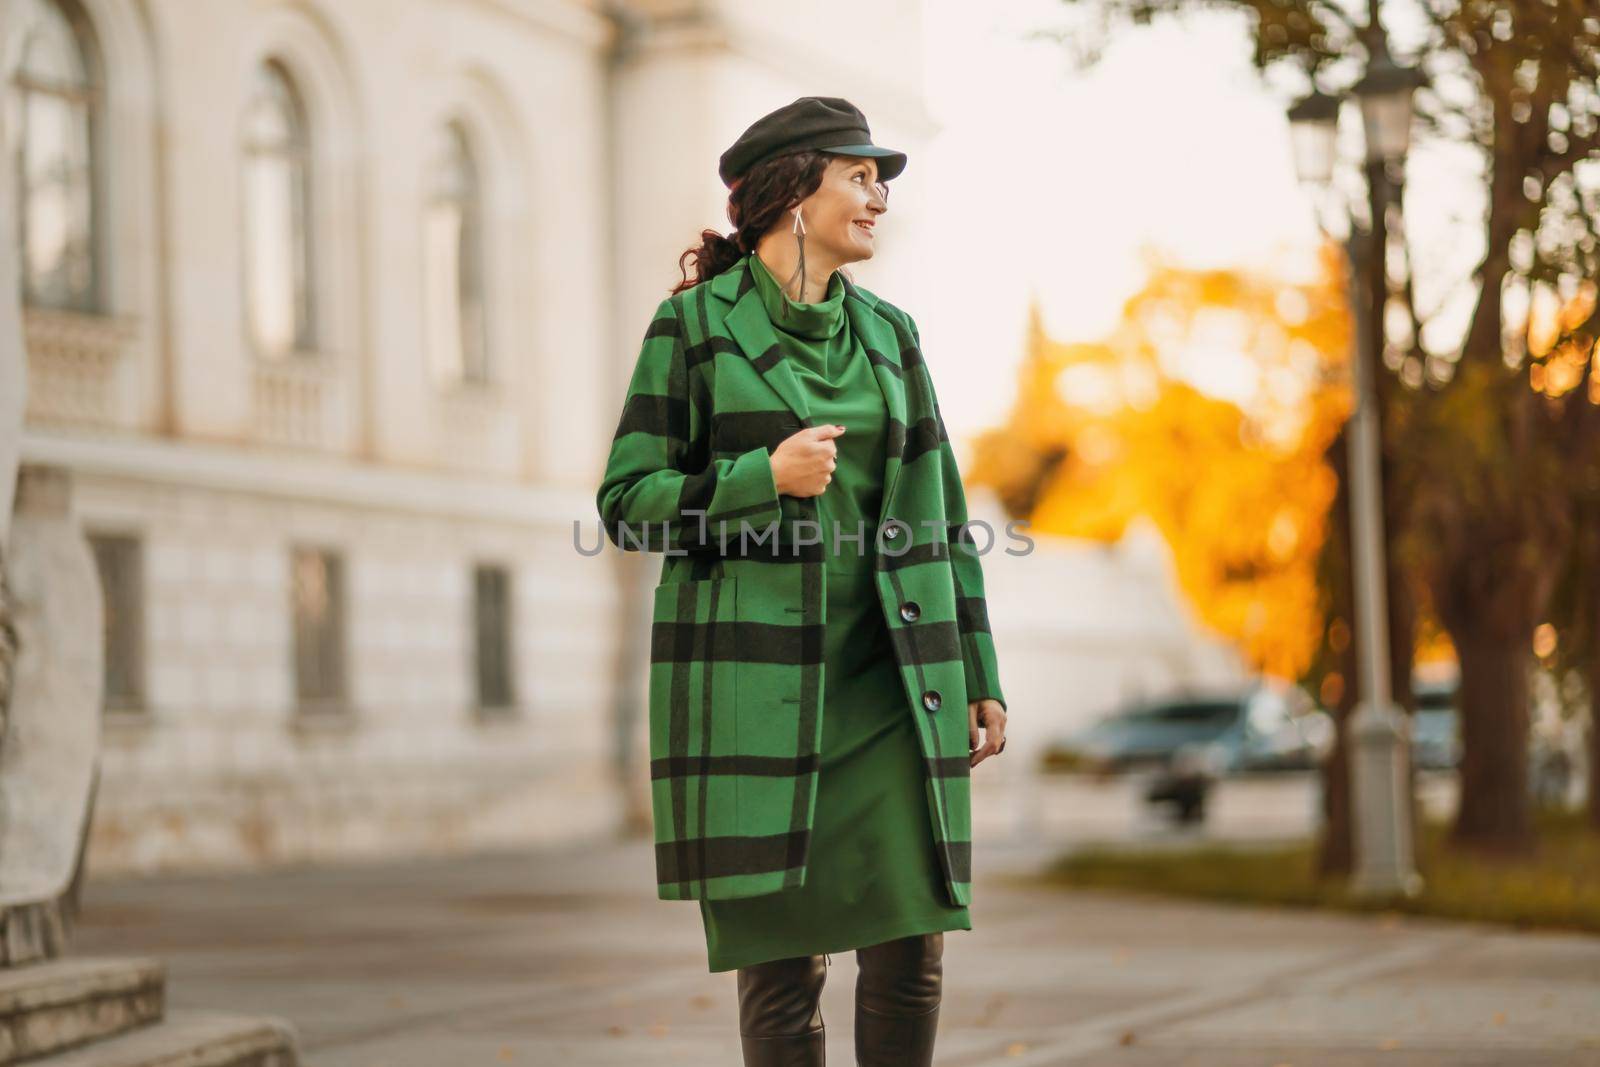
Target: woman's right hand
[(802, 464)]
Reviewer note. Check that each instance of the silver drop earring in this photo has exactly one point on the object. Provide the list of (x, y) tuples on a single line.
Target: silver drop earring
[(800, 243)]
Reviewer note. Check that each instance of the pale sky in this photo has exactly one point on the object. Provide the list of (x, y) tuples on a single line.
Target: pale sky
[(1171, 141)]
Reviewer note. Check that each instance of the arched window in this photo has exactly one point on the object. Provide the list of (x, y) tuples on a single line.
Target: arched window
[(57, 83), (277, 216), (457, 327)]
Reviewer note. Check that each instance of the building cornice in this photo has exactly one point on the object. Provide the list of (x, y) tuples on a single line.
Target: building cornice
[(698, 28), (306, 477), (583, 23)]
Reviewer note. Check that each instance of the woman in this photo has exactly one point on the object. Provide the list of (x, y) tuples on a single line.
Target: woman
[(821, 594)]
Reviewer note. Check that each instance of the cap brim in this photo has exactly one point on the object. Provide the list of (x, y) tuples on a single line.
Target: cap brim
[(894, 163)]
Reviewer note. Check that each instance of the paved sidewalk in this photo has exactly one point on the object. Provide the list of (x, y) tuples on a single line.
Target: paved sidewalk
[(565, 957)]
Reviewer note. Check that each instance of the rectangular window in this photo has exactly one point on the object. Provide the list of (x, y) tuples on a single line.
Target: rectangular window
[(119, 559), (318, 609), (492, 634)]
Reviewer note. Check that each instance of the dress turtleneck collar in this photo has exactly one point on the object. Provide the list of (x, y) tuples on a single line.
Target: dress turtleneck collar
[(816, 321)]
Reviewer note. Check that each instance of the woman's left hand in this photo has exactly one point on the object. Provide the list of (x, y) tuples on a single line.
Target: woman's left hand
[(992, 716)]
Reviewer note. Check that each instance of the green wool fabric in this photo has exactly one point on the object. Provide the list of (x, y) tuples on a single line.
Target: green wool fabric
[(740, 614)]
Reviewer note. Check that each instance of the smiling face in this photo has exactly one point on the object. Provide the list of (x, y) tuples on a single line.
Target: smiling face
[(839, 216)]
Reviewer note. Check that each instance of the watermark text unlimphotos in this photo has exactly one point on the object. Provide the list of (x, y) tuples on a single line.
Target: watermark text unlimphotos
[(892, 538)]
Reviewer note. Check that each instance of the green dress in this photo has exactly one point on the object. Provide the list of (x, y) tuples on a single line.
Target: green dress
[(873, 874)]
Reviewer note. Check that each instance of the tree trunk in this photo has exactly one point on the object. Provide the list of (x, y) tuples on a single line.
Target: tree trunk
[(1594, 719), (1335, 852), (1585, 587), (1498, 540), (1495, 815)]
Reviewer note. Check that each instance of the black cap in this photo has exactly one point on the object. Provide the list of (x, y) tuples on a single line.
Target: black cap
[(824, 123)]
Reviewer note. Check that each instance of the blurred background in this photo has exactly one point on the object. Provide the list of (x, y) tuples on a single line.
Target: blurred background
[(1274, 321)]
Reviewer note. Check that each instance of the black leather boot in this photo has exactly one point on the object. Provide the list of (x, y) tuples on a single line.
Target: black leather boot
[(780, 1012), (898, 989)]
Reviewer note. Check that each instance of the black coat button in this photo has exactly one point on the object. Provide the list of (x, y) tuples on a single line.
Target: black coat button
[(909, 611), (930, 700)]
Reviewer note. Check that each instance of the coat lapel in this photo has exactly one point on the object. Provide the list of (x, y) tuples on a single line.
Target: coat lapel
[(752, 329), (882, 342), (750, 326)]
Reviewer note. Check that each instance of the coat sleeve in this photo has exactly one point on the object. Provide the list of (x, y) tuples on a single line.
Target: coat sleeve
[(972, 613), (660, 489)]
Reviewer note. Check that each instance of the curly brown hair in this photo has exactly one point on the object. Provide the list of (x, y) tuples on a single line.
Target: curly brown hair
[(755, 204)]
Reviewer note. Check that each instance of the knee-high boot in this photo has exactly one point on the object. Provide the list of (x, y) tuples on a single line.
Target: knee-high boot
[(780, 1012), (898, 990)]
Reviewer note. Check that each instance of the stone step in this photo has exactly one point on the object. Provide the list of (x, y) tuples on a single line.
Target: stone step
[(189, 1038), (59, 1004)]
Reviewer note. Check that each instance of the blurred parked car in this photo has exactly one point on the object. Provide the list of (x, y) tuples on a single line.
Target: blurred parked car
[(1436, 743), (1435, 727), (1263, 727), (1185, 782)]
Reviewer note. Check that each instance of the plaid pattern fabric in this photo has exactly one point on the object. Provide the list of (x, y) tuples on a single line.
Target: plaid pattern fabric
[(736, 670)]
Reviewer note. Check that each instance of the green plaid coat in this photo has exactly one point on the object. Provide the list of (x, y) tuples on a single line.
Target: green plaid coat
[(736, 669)]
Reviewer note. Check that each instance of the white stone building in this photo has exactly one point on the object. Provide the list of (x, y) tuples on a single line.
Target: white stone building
[(330, 306)]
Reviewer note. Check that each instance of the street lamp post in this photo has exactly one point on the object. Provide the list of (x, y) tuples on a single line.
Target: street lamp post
[(1379, 731)]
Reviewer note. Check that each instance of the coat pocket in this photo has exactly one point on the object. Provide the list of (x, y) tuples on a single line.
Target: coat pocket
[(694, 735)]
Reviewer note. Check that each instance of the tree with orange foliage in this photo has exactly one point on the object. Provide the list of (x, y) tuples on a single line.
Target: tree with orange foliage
[(1494, 437), (1238, 486)]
